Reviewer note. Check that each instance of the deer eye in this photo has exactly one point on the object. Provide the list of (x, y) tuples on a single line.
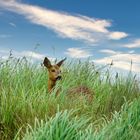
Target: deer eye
[(52, 70)]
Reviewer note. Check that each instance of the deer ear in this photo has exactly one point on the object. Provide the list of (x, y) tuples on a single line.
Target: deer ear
[(47, 62), (61, 62)]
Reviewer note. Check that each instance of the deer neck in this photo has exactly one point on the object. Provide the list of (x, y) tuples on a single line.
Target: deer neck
[(51, 84)]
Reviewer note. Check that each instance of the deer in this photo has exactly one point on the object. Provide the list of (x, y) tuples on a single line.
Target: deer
[(54, 75)]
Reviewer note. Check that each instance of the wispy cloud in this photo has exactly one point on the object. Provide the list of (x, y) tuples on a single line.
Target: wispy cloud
[(108, 51), (33, 55), (122, 61), (134, 44), (117, 35), (132, 51), (77, 53), (3, 36), (28, 54), (76, 27), (12, 24)]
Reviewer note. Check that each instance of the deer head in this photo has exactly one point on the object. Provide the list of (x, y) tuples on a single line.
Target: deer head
[(54, 72)]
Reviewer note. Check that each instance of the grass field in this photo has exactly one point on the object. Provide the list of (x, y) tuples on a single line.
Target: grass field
[(28, 112)]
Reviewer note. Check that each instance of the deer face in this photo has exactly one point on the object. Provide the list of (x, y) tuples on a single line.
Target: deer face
[(54, 70), (54, 73)]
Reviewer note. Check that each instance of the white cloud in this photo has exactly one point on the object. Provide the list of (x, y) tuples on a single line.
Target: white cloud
[(132, 51), (107, 51), (117, 35), (28, 54), (134, 44), (3, 36), (77, 53), (12, 24), (32, 55), (76, 27), (122, 61)]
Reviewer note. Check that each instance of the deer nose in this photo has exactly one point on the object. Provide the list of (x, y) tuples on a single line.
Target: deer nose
[(59, 78)]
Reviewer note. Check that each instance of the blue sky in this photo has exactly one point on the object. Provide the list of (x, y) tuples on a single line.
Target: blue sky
[(103, 30)]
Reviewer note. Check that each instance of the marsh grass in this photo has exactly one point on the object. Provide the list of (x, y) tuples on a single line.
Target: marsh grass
[(24, 102)]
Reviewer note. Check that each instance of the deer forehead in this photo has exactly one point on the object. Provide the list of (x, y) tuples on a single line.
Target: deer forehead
[(55, 67)]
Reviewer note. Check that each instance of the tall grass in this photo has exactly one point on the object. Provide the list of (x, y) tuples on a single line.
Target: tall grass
[(24, 101), (65, 126)]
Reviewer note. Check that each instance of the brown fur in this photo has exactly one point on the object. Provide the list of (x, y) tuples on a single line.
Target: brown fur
[(82, 90), (55, 73)]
